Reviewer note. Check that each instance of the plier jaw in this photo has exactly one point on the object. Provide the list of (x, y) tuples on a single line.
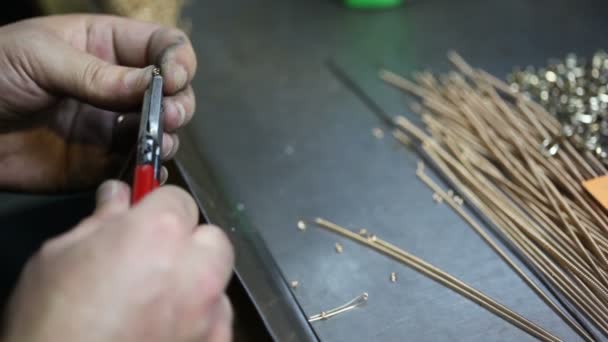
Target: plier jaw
[(149, 141)]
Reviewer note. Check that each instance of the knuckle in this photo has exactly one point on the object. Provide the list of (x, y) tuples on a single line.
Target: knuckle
[(57, 244), (222, 243), (169, 224), (94, 219), (181, 200), (168, 218), (171, 194), (175, 191), (34, 267), (48, 249), (166, 213), (92, 75)]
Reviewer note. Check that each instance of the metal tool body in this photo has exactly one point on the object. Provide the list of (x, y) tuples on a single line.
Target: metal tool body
[(149, 142)]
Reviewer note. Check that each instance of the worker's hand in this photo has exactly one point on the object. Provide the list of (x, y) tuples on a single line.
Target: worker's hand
[(127, 275), (65, 81)]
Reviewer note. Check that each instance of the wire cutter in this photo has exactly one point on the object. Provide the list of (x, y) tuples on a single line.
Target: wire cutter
[(150, 140)]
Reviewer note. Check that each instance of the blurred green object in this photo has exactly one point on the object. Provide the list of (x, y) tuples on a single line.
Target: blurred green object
[(372, 3)]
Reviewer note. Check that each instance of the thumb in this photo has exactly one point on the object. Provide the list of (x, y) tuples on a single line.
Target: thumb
[(92, 80), (113, 197)]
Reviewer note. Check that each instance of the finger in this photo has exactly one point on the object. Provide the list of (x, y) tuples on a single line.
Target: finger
[(83, 76), (164, 175), (130, 38), (170, 146), (124, 136), (124, 38), (203, 274), (211, 262), (221, 331), (112, 198), (192, 326), (179, 109), (141, 43), (167, 207), (134, 43), (172, 51)]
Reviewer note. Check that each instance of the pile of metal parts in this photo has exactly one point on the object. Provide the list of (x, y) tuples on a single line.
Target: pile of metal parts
[(483, 139), (575, 91)]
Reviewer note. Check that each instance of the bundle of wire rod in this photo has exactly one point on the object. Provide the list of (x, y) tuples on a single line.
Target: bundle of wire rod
[(491, 145), (441, 277)]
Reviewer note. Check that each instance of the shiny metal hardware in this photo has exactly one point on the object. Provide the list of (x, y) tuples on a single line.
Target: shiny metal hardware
[(575, 90)]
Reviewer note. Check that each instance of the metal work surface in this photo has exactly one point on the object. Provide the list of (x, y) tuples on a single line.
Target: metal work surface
[(278, 138), (286, 140)]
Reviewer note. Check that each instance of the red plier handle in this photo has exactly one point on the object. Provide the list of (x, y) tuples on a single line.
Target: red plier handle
[(144, 182), (149, 142)]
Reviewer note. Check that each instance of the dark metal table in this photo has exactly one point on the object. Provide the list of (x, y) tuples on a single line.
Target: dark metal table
[(277, 138), (287, 141)]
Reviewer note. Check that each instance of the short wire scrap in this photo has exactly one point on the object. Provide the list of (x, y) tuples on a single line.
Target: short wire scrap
[(354, 303)]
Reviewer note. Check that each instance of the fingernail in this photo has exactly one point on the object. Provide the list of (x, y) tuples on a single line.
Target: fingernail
[(136, 77), (182, 114), (106, 191), (167, 145), (164, 175), (168, 106), (180, 76), (175, 139)]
